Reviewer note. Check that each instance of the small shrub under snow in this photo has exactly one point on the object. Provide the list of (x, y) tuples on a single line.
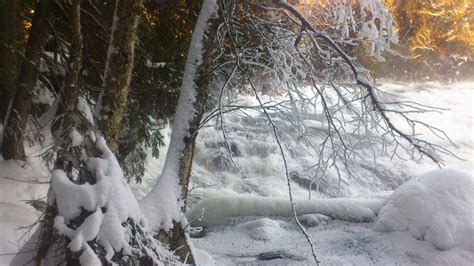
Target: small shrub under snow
[(436, 207)]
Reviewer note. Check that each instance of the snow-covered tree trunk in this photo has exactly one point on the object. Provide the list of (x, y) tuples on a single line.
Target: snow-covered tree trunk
[(118, 70), (15, 125), (164, 205)]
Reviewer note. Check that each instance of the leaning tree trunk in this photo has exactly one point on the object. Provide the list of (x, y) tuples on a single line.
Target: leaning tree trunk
[(15, 125), (164, 206), (118, 70), (9, 37)]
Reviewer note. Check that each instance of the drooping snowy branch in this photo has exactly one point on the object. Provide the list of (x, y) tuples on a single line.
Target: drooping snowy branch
[(374, 25), (274, 49)]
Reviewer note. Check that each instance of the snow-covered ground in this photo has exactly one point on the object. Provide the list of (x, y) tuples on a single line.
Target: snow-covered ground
[(428, 220), (19, 184), (337, 243), (241, 236)]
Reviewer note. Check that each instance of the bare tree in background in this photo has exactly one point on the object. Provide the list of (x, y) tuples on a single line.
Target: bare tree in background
[(17, 118), (10, 36)]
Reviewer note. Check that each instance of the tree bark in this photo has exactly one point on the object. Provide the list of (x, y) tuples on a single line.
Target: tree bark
[(9, 37), (12, 145), (203, 79), (69, 92), (118, 70)]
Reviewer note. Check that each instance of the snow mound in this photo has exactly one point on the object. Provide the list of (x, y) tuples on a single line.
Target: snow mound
[(263, 229), (436, 207), (313, 219)]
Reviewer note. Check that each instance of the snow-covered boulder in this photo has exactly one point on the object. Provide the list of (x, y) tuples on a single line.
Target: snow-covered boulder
[(313, 219), (263, 229), (436, 207)]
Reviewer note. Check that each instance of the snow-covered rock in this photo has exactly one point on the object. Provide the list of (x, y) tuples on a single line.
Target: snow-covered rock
[(436, 207), (263, 229), (313, 219)]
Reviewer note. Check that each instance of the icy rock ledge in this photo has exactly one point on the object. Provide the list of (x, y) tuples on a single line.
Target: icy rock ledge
[(437, 207)]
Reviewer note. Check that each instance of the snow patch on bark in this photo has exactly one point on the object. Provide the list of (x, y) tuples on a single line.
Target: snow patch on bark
[(85, 110), (76, 138)]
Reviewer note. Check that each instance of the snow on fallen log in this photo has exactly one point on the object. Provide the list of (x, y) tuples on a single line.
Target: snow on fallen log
[(221, 210)]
